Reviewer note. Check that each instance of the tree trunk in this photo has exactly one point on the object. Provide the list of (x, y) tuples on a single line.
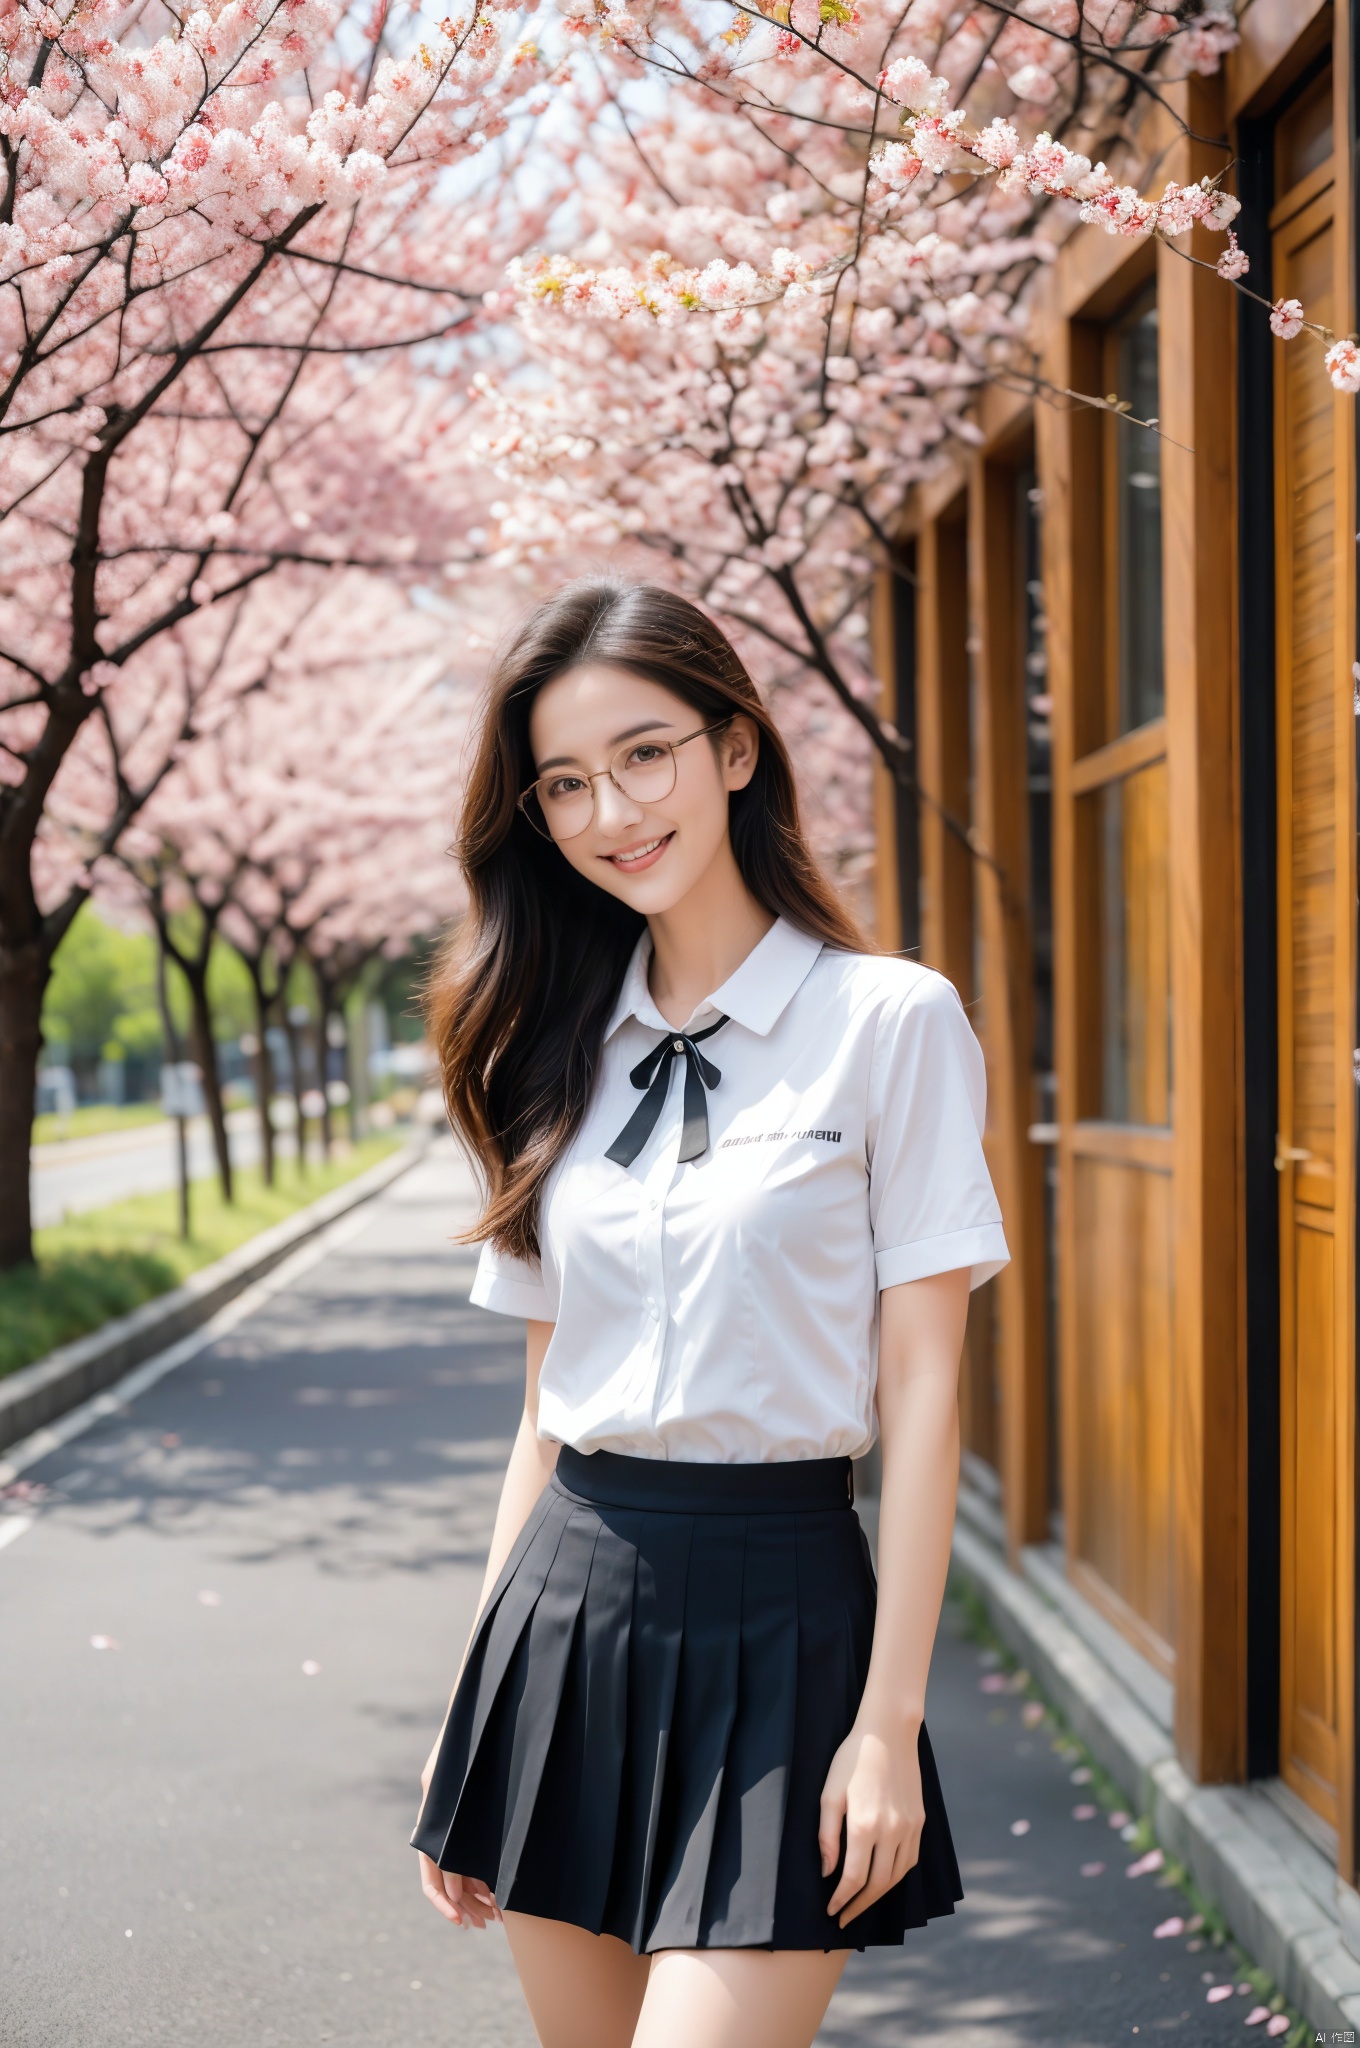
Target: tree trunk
[(263, 1063), (295, 1062), (326, 1005), (205, 1052), (356, 1050), (264, 1085), (24, 973), (172, 1054)]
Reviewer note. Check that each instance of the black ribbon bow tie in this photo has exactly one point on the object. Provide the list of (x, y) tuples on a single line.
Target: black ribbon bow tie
[(654, 1074)]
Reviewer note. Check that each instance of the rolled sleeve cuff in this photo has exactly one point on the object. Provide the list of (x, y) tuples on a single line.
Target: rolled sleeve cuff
[(983, 1249), (512, 1298)]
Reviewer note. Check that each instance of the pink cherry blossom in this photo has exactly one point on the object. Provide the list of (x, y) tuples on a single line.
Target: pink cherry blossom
[(1286, 318), (910, 83), (1343, 366), (223, 237), (1035, 83), (1233, 263)]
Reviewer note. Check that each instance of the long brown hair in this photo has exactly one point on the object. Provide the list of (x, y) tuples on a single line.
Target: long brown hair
[(519, 1001)]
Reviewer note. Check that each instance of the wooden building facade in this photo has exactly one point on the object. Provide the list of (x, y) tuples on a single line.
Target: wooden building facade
[(1124, 659)]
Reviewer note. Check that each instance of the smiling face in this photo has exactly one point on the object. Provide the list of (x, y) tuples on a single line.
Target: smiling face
[(649, 854)]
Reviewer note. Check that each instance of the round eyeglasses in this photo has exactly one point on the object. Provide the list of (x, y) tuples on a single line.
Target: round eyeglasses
[(561, 804)]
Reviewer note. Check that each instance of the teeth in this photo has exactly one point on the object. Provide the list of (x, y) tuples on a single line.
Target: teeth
[(637, 853)]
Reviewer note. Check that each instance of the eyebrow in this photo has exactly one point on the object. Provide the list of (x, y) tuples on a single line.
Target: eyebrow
[(647, 725)]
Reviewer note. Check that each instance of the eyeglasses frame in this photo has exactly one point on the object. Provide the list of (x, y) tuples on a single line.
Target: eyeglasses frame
[(522, 800)]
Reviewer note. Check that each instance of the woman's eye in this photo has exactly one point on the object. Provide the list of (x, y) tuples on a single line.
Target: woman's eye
[(559, 786), (645, 754)]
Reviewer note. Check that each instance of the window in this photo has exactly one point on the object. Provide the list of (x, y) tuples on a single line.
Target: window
[(1135, 949), (1303, 134), (1138, 692), (1120, 773)]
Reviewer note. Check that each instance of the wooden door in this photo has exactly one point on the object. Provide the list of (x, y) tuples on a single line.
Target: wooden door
[(1313, 1012)]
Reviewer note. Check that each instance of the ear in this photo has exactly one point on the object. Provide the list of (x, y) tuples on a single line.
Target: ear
[(740, 751)]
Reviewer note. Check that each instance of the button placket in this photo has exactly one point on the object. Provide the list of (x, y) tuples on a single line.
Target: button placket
[(650, 1270)]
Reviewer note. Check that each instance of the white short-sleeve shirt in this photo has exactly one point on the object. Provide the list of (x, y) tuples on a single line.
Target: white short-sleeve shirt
[(726, 1310)]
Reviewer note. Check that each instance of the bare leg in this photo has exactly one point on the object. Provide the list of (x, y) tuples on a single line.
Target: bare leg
[(583, 1990), (737, 1997)]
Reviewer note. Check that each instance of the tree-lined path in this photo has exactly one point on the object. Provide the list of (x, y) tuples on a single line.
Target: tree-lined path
[(203, 1826)]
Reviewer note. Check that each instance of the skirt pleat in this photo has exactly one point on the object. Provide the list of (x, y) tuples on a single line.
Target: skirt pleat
[(645, 1720), (705, 1711), (545, 1655), (657, 1631), (740, 1894)]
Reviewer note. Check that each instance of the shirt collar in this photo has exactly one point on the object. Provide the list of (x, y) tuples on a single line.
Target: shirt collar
[(756, 995)]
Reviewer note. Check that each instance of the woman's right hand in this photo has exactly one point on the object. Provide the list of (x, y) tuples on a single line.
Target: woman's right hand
[(465, 1901)]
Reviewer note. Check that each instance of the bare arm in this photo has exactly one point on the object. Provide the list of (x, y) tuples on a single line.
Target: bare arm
[(874, 1785), (531, 1466)]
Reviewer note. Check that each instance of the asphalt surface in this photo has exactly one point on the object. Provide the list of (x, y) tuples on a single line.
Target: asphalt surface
[(73, 1175), (203, 1825)]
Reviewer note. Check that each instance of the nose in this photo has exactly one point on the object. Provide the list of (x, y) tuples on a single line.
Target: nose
[(614, 812)]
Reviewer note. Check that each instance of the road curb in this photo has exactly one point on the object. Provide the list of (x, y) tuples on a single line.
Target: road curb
[(37, 1394), (1278, 1893)]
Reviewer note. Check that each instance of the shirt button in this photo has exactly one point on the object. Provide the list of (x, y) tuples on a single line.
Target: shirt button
[(654, 1204), (651, 1306)]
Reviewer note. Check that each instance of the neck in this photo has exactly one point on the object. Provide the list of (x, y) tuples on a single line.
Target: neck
[(704, 938)]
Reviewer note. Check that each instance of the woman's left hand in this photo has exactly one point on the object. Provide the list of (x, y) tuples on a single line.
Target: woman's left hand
[(873, 1790)]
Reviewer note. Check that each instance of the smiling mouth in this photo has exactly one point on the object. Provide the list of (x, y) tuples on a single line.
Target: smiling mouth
[(638, 857)]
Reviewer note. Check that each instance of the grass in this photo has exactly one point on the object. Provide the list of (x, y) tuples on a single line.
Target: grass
[(94, 1120), (1205, 1923), (102, 1264)]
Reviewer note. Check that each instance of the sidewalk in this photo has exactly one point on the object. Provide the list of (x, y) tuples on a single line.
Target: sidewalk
[(1038, 1955), (231, 1609)]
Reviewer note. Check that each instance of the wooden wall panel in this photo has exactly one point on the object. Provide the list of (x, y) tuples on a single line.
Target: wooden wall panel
[(1208, 1433), (1316, 998), (1002, 895), (1308, 1546), (1120, 1515), (887, 900), (943, 749)]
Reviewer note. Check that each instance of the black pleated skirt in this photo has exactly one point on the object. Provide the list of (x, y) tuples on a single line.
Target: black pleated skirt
[(650, 1704)]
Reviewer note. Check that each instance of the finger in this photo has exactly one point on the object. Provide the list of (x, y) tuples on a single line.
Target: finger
[(854, 1871), (887, 1865), (829, 1830), (474, 1900), (432, 1884)]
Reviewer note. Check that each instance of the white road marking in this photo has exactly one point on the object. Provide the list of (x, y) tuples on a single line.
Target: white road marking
[(12, 1528)]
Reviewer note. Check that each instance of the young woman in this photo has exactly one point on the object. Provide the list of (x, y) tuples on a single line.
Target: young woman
[(736, 1189)]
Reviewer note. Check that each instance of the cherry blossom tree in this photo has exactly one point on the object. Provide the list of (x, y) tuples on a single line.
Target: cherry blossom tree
[(226, 236), (308, 824), (788, 277)]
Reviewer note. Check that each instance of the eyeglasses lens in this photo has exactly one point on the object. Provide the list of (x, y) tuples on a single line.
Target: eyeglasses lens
[(644, 770)]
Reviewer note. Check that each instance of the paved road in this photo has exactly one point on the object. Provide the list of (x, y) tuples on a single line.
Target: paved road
[(77, 1174), (201, 1842)]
